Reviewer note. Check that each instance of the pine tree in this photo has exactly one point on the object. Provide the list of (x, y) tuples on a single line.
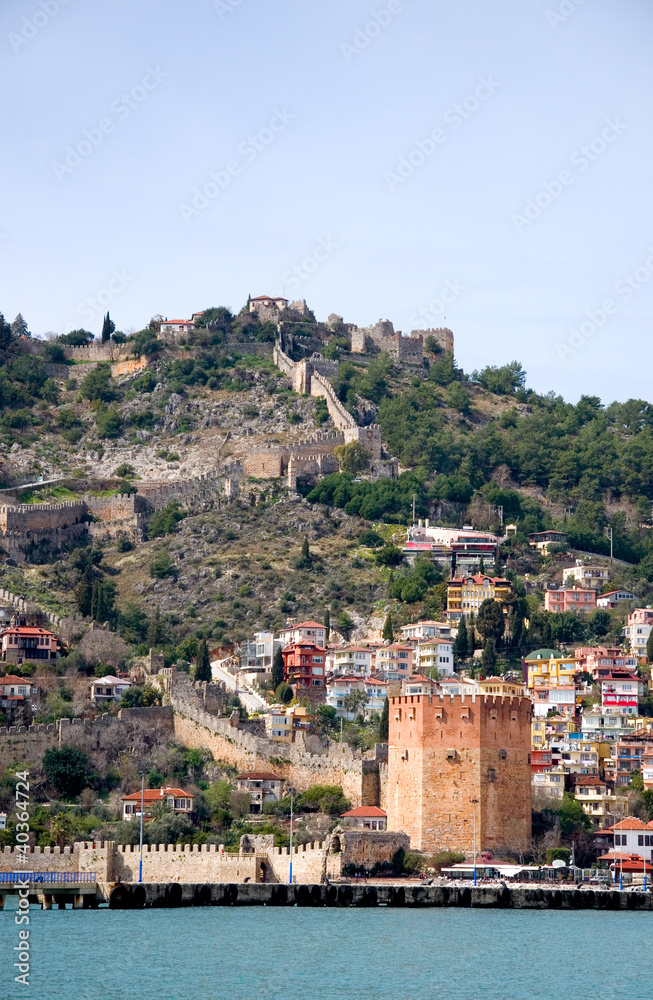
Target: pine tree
[(108, 327), (489, 659), (384, 724), (277, 669), (388, 633), (461, 642), (327, 624), (19, 327), (202, 662)]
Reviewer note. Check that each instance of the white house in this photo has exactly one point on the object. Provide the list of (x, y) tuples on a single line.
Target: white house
[(109, 688), (638, 630), (420, 631), (356, 661), (613, 598), (303, 630), (435, 654)]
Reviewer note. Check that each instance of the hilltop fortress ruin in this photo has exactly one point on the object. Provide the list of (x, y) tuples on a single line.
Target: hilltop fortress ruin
[(27, 530)]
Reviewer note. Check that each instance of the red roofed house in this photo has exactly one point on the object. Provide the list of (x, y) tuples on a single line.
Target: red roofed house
[(18, 696), (268, 301), (304, 664), (303, 630), (367, 817), (180, 801), (262, 787), (25, 642), (630, 836)]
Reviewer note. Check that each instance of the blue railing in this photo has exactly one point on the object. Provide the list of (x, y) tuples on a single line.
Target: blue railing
[(74, 877)]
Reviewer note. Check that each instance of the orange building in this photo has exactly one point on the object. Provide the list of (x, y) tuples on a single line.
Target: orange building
[(459, 762), (304, 664)]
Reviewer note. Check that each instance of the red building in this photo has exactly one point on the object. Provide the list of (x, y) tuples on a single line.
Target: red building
[(541, 761), (304, 664), (23, 642)]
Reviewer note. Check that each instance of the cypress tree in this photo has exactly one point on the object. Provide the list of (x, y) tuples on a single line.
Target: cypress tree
[(649, 647), (388, 633), (108, 327), (277, 668), (305, 560), (202, 662), (84, 593), (489, 659), (327, 624), (461, 642), (384, 725)]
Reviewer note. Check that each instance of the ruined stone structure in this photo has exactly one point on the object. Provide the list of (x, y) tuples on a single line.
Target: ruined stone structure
[(312, 378), (442, 334), (383, 337), (210, 863), (25, 528), (451, 759)]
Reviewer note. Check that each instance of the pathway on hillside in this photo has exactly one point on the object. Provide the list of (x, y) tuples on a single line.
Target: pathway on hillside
[(253, 702)]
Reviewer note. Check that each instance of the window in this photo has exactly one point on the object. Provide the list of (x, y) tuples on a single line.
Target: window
[(640, 840), (491, 774)]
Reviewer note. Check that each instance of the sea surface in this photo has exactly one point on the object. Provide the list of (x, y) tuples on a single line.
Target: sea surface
[(256, 953)]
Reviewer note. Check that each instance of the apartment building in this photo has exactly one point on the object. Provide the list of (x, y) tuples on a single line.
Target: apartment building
[(466, 594), (541, 540), (614, 598), (358, 661), (579, 599), (394, 662), (547, 667), (435, 654), (600, 661), (638, 629), (459, 548), (558, 698), (631, 752), (586, 576), (421, 631), (621, 692), (304, 664), (597, 802)]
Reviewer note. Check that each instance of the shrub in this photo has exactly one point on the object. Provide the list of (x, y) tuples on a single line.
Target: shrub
[(370, 539), (162, 566), (164, 522)]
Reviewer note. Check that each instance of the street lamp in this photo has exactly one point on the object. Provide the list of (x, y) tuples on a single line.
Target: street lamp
[(292, 792), (474, 803), (140, 861)]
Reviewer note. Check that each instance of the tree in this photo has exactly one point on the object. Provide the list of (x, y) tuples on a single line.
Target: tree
[(346, 625), (305, 560), (277, 668), (103, 601), (461, 642), (284, 693), (327, 624), (384, 724), (84, 593), (355, 702), (489, 659), (66, 768), (388, 633), (352, 457), (203, 663), (19, 327), (97, 385), (5, 333), (108, 327), (490, 621), (389, 555), (649, 648), (156, 632), (573, 818)]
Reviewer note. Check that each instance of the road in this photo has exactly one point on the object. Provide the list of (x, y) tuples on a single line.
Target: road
[(252, 702)]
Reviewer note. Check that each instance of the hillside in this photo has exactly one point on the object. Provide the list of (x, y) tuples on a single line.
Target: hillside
[(466, 445)]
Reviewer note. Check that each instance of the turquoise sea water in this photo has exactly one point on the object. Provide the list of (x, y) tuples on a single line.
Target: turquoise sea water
[(305, 954)]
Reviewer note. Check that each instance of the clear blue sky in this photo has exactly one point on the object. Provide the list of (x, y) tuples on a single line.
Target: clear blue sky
[(501, 97)]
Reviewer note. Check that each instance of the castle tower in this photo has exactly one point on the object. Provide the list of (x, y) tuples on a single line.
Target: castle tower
[(444, 752)]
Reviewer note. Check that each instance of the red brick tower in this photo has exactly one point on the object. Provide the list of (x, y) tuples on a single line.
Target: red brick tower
[(443, 753)]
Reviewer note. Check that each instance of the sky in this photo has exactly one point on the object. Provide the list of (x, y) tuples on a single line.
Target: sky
[(484, 166)]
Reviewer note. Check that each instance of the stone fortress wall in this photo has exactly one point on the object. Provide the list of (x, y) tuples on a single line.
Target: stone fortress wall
[(210, 863)]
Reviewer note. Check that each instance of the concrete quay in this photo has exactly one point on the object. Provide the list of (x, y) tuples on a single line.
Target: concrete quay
[(175, 894)]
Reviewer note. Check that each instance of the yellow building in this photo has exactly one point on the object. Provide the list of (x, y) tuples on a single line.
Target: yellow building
[(466, 594), (281, 724), (547, 668), (499, 685)]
